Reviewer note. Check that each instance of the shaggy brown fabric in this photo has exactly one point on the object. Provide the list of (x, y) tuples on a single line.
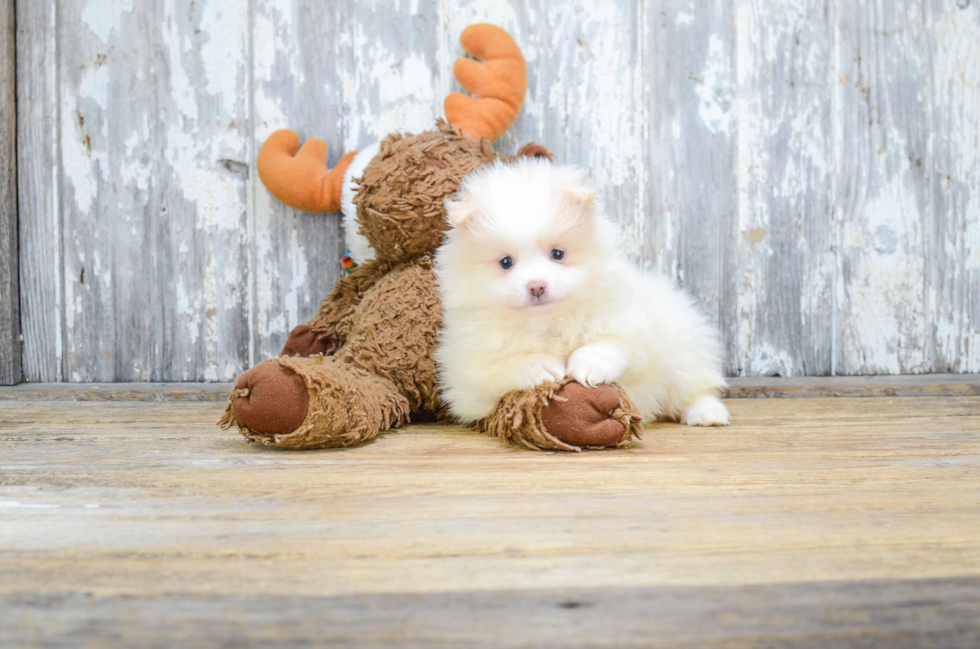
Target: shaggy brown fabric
[(392, 332), (269, 399), (378, 328), (380, 322), (303, 341), (520, 418), (343, 299), (400, 200), (346, 406), (382, 372)]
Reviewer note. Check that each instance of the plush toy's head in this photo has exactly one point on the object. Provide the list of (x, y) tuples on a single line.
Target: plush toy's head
[(392, 193), (400, 197)]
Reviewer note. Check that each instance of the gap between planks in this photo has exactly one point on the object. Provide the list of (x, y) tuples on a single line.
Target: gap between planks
[(910, 385)]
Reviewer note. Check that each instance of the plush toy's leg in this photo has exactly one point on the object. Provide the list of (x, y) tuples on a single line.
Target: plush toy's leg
[(565, 416), (315, 402)]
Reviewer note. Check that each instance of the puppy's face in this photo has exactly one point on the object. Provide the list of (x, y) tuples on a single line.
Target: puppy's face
[(524, 237)]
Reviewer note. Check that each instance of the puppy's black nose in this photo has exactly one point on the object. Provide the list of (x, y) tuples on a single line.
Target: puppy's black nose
[(537, 287)]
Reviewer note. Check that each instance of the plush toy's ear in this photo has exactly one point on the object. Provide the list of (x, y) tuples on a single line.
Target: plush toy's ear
[(459, 210), (533, 150), (497, 83)]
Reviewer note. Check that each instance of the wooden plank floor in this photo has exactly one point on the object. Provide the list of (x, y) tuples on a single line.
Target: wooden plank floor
[(816, 522)]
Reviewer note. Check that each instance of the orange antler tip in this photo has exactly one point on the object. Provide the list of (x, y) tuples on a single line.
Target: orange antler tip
[(300, 179), (498, 82)]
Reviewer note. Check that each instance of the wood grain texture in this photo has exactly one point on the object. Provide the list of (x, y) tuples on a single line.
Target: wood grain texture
[(159, 291), (348, 73), (10, 347), (41, 294), (883, 196), (689, 102), (807, 170), (785, 242), (896, 613), (954, 58), (135, 518), (579, 54)]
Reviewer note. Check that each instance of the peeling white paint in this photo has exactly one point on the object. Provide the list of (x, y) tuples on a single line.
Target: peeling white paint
[(222, 51), (904, 87), (885, 299), (684, 18), (769, 361), (84, 161), (714, 90), (106, 16)]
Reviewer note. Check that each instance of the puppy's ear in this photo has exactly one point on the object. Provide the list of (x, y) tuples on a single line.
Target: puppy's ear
[(581, 198), (459, 210)]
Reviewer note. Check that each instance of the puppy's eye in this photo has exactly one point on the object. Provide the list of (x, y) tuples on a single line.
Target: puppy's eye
[(557, 254), (507, 263)]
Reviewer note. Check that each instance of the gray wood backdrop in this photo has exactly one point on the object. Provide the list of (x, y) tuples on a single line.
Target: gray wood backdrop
[(10, 365), (809, 169)]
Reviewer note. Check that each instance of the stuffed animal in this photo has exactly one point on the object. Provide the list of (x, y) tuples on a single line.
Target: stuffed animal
[(364, 363)]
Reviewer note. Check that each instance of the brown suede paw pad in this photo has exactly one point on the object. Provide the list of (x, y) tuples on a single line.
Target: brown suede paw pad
[(274, 399), (582, 416)]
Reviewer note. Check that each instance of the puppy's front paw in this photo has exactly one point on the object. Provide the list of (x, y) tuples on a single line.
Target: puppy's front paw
[(707, 411), (594, 365), (542, 370)]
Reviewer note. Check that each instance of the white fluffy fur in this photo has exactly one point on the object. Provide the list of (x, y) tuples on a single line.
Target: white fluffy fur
[(601, 319), (360, 250)]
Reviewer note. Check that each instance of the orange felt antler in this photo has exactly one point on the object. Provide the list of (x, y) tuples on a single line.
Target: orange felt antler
[(301, 180), (497, 84)]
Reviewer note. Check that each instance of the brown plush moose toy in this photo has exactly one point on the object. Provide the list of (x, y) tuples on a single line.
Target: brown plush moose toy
[(364, 363)]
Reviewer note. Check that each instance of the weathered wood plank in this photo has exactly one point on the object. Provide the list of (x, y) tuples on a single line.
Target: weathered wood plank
[(820, 206), (349, 79), (38, 169), (785, 244), (583, 100), (689, 213), (954, 256), (882, 199), (153, 194), (793, 521), (897, 613), (10, 347)]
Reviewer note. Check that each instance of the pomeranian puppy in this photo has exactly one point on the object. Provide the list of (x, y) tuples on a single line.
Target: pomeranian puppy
[(534, 289)]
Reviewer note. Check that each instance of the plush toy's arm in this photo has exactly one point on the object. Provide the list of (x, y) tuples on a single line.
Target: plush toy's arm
[(342, 300), (565, 416)]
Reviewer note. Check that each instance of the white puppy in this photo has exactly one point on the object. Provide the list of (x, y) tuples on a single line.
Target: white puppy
[(534, 289)]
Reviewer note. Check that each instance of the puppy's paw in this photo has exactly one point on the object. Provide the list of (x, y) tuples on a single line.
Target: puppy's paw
[(594, 365), (542, 370), (707, 411)]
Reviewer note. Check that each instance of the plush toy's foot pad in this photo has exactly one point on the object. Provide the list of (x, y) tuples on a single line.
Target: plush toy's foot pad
[(273, 401), (303, 341), (583, 416), (565, 416)]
